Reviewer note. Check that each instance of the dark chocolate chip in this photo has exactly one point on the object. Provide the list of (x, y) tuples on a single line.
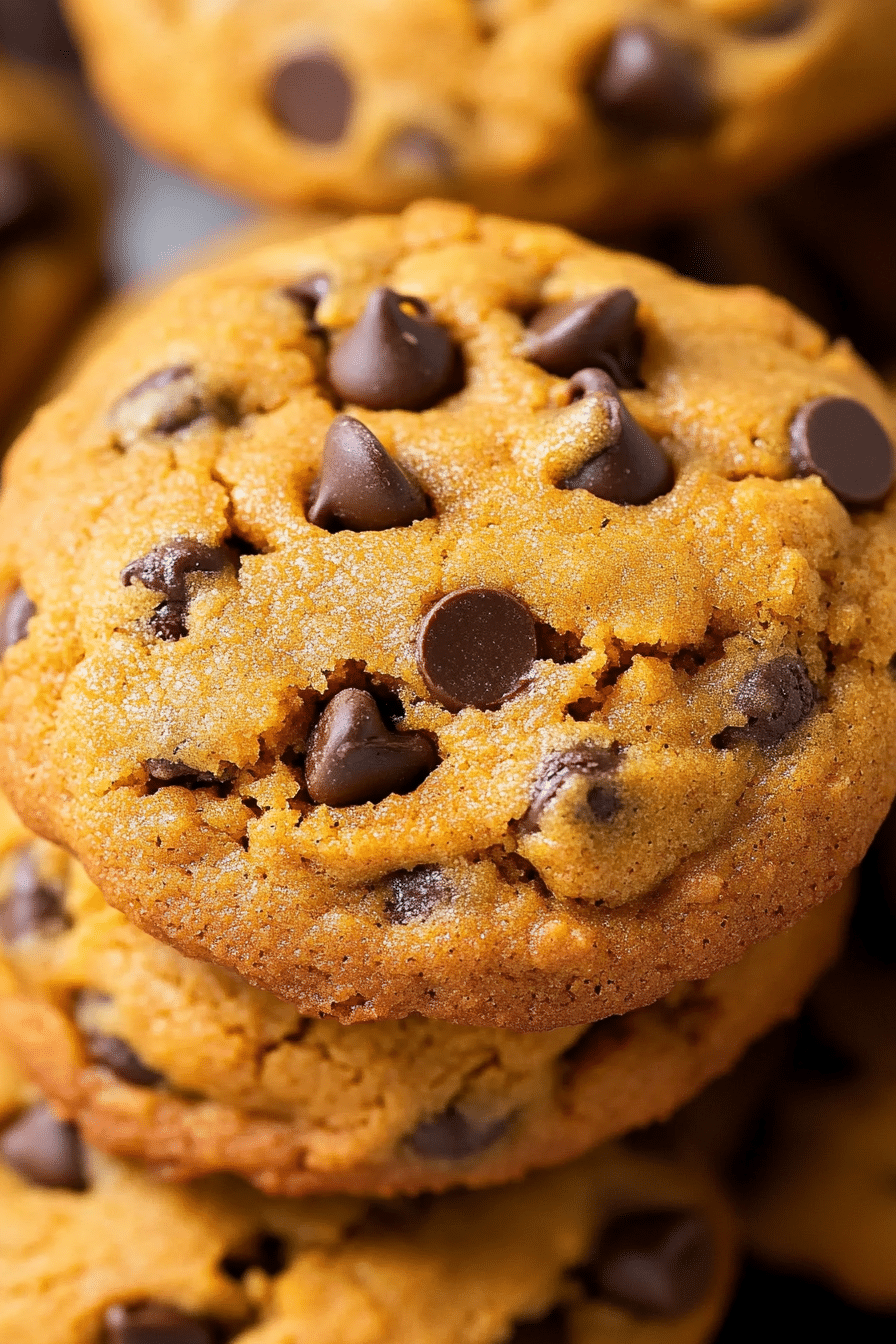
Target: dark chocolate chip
[(633, 469), (452, 1136), (416, 893), (649, 84), (34, 907), (775, 699), (360, 487), (17, 612), (598, 332), (117, 1056), (353, 757), (418, 152), (265, 1252), (311, 96), (30, 201), (475, 647), (167, 569), (45, 1151), (163, 772), (308, 294), (550, 1329), (657, 1262), (598, 765), (167, 401), (839, 440), (155, 1323), (780, 20), (393, 360), (36, 32)]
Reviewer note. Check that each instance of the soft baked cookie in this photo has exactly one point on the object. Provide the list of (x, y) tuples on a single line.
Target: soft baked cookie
[(186, 1066), (587, 112), (365, 638), (622, 1248), (49, 229)]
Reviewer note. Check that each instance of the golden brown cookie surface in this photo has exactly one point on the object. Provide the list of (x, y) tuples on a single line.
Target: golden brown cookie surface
[(402, 710), (187, 1067)]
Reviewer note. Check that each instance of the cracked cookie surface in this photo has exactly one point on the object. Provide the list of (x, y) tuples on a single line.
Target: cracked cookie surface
[(190, 1069), (625, 740), (582, 112)]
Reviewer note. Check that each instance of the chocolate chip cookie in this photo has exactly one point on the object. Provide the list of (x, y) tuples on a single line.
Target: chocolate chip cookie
[(445, 615), (620, 1248), (187, 1067), (49, 229), (583, 112)]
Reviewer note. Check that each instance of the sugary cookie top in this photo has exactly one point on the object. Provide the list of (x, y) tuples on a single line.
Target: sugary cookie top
[(587, 112), (444, 614)]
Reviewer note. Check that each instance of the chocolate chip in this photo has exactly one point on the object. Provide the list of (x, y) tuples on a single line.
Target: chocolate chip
[(475, 647), (164, 403), (589, 761), (162, 772), (775, 699), (633, 469), (417, 152), (155, 1323), (839, 440), (360, 487), (167, 569), (17, 612), (30, 200), (308, 294), (598, 332), (779, 21), (117, 1056), (264, 1251), (453, 1136), (416, 893), (657, 1262), (550, 1329), (649, 84), (353, 757), (393, 360), (45, 1151), (311, 96), (34, 907)]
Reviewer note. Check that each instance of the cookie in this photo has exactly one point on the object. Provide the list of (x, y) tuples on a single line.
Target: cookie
[(583, 112), (50, 214), (618, 1247), (190, 1069), (367, 637)]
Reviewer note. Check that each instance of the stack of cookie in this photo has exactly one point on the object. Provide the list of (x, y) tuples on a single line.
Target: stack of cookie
[(461, 657)]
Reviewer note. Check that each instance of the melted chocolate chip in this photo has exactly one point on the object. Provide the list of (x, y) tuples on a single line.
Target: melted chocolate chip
[(167, 570), (596, 764), (633, 469), (30, 201), (551, 1329), (164, 403), (651, 85), (452, 1136), (34, 907), (17, 612), (44, 1151), (475, 647), (775, 699), (654, 1263), (311, 96), (117, 1056), (163, 772), (780, 20), (598, 332), (392, 360), (839, 440), (361, 488), (417, 152), (265, 1252), (416, 893), (308, 294), (353, 757), (155, 1323)]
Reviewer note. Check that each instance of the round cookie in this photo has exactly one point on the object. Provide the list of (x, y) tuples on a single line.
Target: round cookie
[(621, 1248), (409, 710), (583, 112), (185, 1066)]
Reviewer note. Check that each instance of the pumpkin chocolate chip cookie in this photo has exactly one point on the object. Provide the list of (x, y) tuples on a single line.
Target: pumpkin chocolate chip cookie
[(586, 112), (444, 615), (190, 1069)]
